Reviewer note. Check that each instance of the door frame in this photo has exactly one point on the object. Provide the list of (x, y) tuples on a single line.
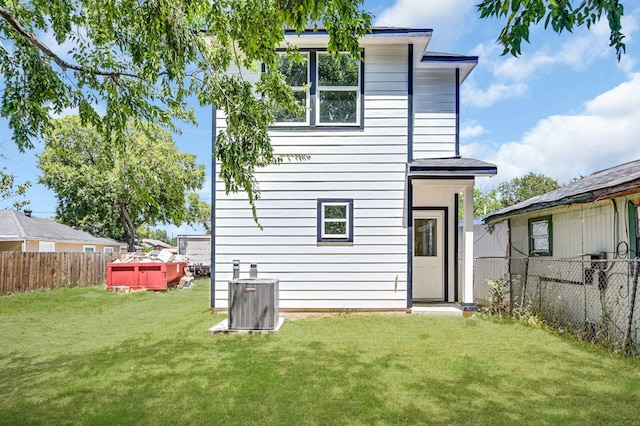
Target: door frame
[(445, 211)]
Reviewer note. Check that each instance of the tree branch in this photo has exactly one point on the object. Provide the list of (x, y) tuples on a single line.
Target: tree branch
[(28, 36)]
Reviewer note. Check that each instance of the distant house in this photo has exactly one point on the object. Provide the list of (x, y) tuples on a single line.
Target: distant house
[(598, 216), (157, 245), (20, 231)]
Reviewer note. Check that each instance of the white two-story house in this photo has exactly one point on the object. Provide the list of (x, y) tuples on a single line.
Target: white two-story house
[(369, 222)]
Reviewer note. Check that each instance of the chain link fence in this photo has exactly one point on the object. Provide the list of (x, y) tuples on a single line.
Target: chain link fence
[(597, 299)]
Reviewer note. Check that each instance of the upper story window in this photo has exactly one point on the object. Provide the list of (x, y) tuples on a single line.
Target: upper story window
[(540, 241), (329, 87)]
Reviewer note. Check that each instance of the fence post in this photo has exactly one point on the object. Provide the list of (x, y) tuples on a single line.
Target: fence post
[(627, 334), (526, 279)]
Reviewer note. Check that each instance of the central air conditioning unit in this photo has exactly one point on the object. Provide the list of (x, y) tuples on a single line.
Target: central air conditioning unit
[(253, 304)]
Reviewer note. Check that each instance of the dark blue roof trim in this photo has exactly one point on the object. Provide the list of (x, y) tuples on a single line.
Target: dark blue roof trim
[(457, 171), (449, 59), (375, 30)]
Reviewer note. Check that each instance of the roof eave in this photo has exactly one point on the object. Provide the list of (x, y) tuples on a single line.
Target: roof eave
[(465, 64)]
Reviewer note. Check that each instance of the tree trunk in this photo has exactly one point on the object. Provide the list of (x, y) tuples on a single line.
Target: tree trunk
[(129, 228)]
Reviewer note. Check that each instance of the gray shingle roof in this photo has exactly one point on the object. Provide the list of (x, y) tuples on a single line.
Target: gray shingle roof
[(451, 166), (15, 226), (624, 178)]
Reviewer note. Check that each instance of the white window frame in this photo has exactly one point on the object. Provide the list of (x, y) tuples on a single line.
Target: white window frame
[(46, 246), (320, 89), (88, 249), (322, 236), (108, 250)]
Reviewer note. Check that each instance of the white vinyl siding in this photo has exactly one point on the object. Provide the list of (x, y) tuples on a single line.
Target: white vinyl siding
[(366, 165), (434, 103)]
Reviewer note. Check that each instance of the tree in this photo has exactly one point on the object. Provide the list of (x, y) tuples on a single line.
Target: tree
[(112, 190), (11, 192), (483, 203), (118, 62), (528, 186), (562, 15)]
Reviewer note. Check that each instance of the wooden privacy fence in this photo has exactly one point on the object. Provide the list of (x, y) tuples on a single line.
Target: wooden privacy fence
[(20, 272)]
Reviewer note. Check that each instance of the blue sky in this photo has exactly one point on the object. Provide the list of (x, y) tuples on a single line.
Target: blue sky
[(565, 108)]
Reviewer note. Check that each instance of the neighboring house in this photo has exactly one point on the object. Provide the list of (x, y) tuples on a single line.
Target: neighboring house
[(596, 216), (572, 254), (20, 231), (370, 220), (157, 245)]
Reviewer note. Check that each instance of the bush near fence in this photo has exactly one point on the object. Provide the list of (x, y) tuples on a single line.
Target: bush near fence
[(596, 299), (20, 272)]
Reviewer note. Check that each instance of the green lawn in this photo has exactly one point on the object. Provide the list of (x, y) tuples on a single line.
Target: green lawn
[(85, 356)]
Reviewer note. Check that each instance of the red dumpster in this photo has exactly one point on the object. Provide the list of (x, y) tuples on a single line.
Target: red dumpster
[(144, 275)]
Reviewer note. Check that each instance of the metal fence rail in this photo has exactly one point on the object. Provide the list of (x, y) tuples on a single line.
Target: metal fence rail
[(599, 299), (20, 272)]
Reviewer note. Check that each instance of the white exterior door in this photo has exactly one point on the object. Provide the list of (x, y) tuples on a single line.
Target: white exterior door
[(428, 255)]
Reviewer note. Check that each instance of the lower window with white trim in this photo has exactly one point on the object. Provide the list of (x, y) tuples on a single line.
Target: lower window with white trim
[(335, 221)]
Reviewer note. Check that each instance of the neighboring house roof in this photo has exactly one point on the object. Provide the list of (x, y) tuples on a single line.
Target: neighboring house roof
[(17, 226), (609, 183), (156, 243)]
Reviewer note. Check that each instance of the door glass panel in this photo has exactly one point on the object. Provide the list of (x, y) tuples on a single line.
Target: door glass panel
[(425, 237)]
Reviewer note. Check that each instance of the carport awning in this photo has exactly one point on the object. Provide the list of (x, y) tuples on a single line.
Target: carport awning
[(453, 166)]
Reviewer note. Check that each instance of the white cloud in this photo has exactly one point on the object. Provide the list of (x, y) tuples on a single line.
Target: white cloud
[(508, 77), (472, 95), (603, 135), (471, 129)]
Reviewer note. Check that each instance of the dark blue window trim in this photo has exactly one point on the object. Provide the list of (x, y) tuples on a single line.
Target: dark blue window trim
[(313, 63), (321, 203)]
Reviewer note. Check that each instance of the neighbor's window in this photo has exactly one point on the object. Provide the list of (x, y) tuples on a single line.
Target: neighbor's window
[(108, 249), (334, 96), (89, 249), (540, 241), (335, 220), (46, 246)]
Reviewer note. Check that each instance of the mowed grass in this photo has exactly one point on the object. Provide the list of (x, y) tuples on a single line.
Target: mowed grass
[(86, 356)]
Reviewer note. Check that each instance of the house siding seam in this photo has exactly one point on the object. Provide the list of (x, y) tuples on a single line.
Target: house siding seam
[(366, 165)]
